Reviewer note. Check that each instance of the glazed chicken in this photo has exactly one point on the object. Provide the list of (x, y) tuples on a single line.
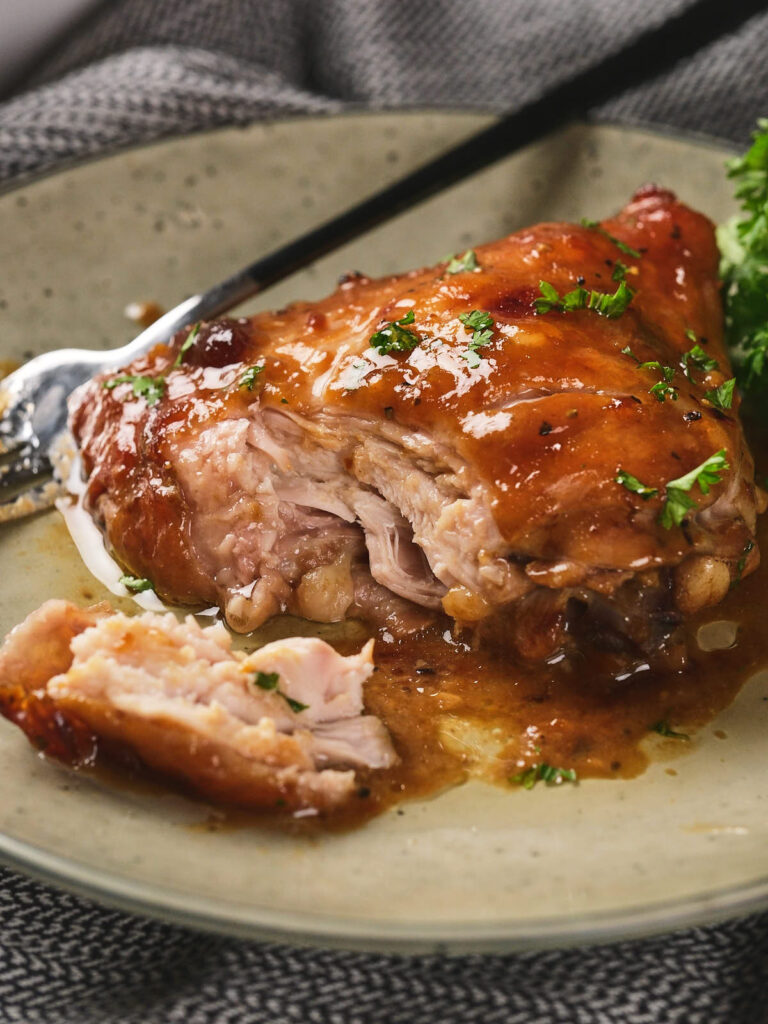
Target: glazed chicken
[(282, 726), (539, 436)]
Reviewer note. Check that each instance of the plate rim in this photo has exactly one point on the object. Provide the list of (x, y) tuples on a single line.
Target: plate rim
[(303, 928), (300, 928), (72, 163)]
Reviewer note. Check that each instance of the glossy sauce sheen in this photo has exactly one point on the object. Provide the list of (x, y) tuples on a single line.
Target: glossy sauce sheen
[(474, 714), (546, 419), (549, 415), (456, 713)]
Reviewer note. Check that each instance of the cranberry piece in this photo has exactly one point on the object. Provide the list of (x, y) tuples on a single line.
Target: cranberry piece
[(219, 343)]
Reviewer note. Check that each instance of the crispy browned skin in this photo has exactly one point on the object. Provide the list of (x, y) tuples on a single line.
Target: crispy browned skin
[(545, 422)]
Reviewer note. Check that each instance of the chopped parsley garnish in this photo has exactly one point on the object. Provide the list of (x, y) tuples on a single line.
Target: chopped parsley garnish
[(677, 502), (135, 584), (633, 484), (619, 271), (622, 246), (271, 681), (189, 341), (544, 773), (663, 729), (722, 396), (249, 378), (743, 242), (481, 324), (394, 337), (741, 564), (698, 358), (663, 389), (690, 334), (460, 264), (149, 388), (607, 304)]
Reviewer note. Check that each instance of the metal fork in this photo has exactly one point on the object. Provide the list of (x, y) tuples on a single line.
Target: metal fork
[(33, 399)]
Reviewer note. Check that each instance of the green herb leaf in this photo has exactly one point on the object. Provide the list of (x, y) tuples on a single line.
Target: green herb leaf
[(633, 484), (271, 681), (741, 564), (477, 320), (619, 271), (677, 503), (698, 358), (607, 304), (743, 245), (472, 357), (135, 584), (151, 389), (188, 343), (545, 773), (295, 705), (663, 729), (267, 680), (662, 390), (249, 378), (622, 246), (722, 396), (394, 337), (460, 264), (482, 326)]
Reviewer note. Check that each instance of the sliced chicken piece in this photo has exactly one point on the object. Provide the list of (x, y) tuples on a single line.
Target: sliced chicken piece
[(283, 725)]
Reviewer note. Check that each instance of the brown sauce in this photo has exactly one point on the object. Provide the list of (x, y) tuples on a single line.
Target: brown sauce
[(455, 712)]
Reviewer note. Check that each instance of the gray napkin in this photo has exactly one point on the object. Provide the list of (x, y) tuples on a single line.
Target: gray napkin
[(143, 69)]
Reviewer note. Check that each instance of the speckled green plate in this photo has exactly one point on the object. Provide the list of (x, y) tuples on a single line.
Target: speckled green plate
[(476, 868)]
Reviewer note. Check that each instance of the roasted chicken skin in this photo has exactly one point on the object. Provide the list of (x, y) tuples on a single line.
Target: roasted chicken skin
[(283, 462)]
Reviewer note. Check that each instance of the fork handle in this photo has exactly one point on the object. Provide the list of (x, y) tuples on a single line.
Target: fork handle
[(646, 55)]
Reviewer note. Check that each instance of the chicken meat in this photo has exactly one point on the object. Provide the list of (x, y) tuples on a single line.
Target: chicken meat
[(283, 726), (541, 434)]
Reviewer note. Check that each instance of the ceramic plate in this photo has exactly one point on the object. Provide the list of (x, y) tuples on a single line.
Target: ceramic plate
[(478, 867)]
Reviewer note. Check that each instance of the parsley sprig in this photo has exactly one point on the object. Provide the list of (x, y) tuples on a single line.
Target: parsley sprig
[(743, 245), (189, 341), (151, 389), (663, 728), (136, 584), (611, 305), (663, 388), (464, 263), (395, 336), (633, 484), (546, 773), (722, 396), (698, 358), (271, 681), (622, 246), (250, 377), (678, 501), (482, 326)]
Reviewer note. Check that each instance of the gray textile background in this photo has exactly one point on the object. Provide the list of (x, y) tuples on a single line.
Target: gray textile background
[(144, 68)]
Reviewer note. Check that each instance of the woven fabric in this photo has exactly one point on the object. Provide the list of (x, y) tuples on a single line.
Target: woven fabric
[(143, 69)]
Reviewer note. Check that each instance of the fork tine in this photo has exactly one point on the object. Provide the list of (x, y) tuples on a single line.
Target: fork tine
[(9, 443), (28, 466), (36, 499)]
